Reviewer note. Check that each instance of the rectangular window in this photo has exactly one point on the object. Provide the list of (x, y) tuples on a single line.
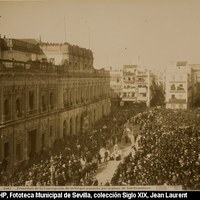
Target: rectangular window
[(173, 96), (144, 94), (51, 100), (173, 87), (7, 109)]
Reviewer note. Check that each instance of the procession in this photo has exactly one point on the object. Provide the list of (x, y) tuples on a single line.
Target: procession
[(100, 94), (74, 161)]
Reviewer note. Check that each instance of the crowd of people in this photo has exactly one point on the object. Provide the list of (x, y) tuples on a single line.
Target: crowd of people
[(73, 160), (168, 152)]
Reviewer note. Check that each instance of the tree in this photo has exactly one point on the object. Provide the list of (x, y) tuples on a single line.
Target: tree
[(158, 96)]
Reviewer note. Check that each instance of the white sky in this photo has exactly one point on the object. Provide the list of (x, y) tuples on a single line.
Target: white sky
[(158, 31)]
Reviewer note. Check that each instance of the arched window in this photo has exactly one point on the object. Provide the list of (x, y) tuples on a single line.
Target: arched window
[(43, 103), (86, 93), (94, 116), (81, 123), (51, 100), (31, 100), (77, 125), (91, 92), (94, 93), (18, 106), (6, 109), (71, 97), (71, 126), (102, 110), (64, 129)]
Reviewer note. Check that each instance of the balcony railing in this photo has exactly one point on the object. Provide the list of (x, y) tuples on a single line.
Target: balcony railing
[(128, 97), (142, 98), (44, 66), (142, 74), (177, 91), (178, 81), (71, 105), (141, 80), (128, 73), (129, 81)]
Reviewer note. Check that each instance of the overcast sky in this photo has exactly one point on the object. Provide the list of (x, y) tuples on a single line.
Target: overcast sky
[(117, 31)]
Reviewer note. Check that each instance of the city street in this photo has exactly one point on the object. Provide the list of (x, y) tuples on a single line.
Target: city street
[(107, 169)]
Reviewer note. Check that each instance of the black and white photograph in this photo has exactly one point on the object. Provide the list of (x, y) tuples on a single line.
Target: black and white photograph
[(100, 93)]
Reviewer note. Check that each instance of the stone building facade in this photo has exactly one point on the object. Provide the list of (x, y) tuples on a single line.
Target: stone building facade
[(41, 100)]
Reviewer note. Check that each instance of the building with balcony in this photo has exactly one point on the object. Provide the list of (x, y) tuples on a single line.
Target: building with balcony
[(178, 86), (43, 98), (136, 84)]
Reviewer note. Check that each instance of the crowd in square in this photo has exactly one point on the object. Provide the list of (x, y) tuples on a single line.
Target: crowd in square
[(168, 152)]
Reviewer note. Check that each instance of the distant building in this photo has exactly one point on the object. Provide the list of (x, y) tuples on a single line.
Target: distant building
[(47, 91), (178, 86), (136, 84)]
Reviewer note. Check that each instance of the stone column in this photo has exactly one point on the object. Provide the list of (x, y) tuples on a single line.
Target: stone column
[(37, 106)]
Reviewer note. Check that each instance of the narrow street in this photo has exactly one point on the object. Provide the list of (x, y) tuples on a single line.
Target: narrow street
[(106, 170)]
